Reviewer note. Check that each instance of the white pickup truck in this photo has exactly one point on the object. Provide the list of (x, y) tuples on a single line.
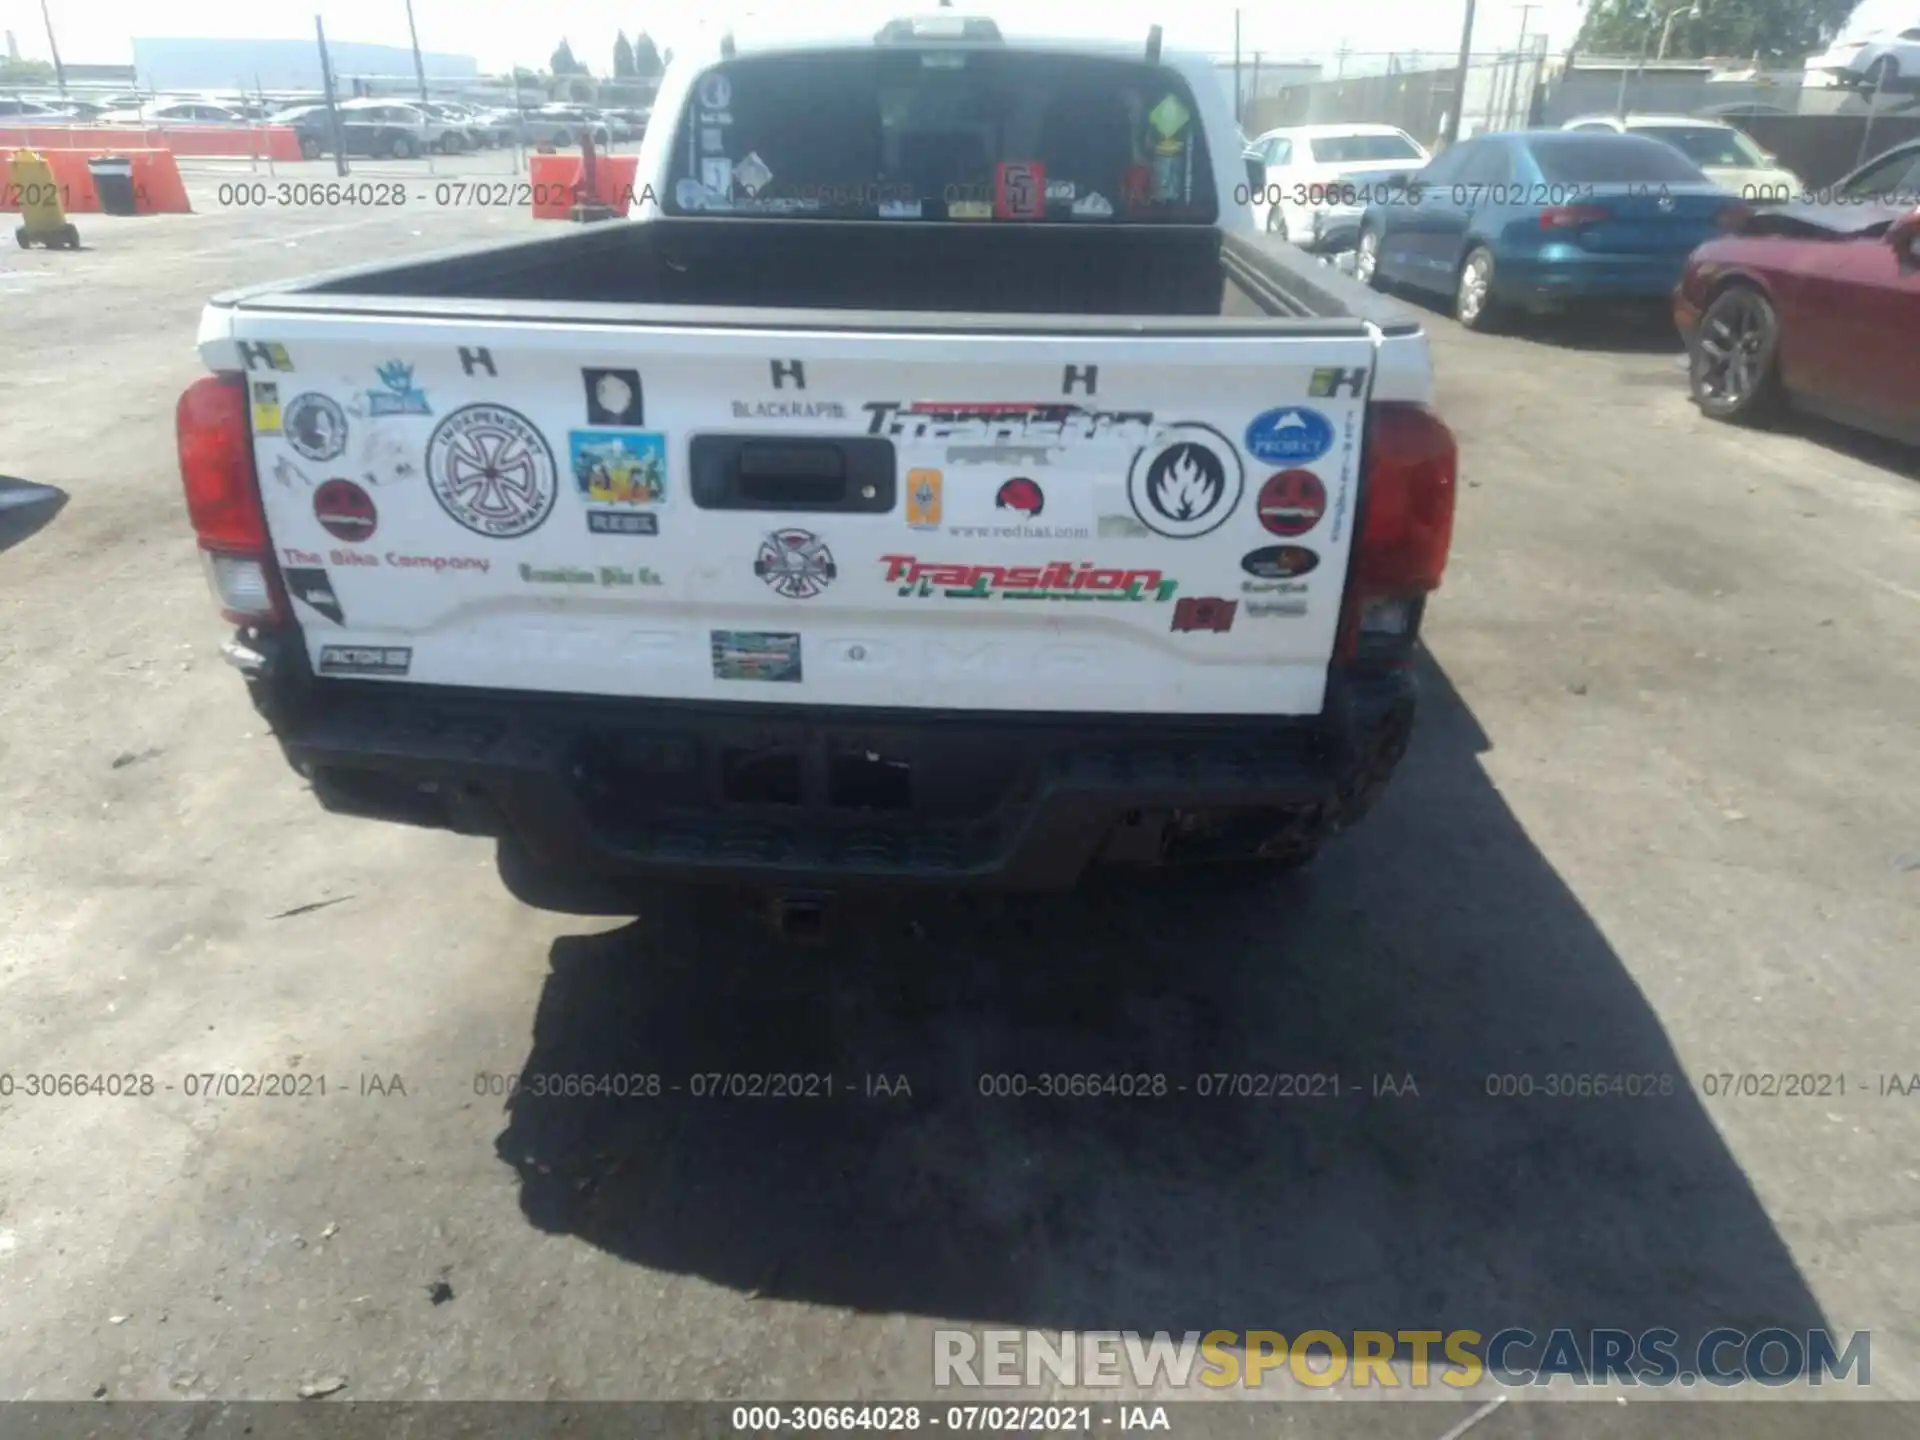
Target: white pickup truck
[(939, 480)]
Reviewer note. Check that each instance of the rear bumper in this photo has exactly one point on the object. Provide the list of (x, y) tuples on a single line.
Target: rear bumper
[(608, 791)]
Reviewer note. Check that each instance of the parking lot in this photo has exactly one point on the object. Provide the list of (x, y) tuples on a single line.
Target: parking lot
[(1661, 817)]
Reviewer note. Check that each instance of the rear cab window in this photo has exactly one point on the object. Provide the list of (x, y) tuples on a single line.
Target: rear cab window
[(1571, 158), (1358, 149), (932, 131)]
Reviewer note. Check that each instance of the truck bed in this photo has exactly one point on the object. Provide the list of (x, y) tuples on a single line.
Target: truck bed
[(811, 272)]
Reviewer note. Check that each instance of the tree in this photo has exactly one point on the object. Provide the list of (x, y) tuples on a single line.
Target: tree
[(1776, 31), (24, 72), (563, 62), (622, 57), (646, 57)]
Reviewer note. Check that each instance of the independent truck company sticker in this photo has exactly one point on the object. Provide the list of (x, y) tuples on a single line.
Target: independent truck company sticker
[(492, 471)]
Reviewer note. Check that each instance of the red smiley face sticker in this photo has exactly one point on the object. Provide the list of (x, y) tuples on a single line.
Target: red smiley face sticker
[(1292, 502), (344, 510)]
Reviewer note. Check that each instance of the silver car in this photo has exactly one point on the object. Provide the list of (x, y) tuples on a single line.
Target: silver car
[(563, 125)]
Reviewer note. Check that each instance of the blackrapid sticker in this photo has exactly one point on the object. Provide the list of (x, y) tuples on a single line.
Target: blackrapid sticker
[(756, 655), (614, 397), (492, 471), (1187, 483), (316, 427), (312, 587)]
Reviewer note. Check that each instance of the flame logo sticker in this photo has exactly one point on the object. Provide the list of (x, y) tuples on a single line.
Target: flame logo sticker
[(1187, 484)]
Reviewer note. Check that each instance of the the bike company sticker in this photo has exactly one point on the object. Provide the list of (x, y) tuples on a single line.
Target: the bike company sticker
[(796, 563), (1279, 562), (1208, 613), (345, 511), (365, 659), (316, 427), (266, 407), (397, 395), (1022, 496), (1059, 580), (492, 471), (1187, 483), (756, 655), (1292, 502), (924, 490), (314, 588), (1290, 435), (1020, 190)]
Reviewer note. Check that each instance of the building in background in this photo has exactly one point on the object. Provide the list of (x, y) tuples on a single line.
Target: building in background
[(280, 65)]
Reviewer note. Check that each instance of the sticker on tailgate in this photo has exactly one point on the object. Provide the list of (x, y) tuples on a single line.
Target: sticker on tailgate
[(492, 471)]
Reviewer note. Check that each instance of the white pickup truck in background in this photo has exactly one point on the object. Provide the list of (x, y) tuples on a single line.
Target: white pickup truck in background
[(939, 480)]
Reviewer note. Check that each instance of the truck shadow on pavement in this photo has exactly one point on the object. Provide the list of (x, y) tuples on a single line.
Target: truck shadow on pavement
[(1433, 945)]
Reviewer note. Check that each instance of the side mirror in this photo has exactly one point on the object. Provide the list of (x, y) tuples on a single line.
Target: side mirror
[(1256, 172)]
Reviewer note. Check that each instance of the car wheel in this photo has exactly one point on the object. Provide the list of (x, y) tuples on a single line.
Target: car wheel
[(1276, 222), (1473, 303), (1733, 359), (1883, 73), (561, 137), (309, 147), (402, 147), (1366, 259), (24, 240)]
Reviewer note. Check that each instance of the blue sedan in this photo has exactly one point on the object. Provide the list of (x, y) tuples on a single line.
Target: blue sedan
[(1538, 218)]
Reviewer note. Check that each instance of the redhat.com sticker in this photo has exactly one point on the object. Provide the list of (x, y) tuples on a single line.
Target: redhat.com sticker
[(1292, 502), (344, 510)]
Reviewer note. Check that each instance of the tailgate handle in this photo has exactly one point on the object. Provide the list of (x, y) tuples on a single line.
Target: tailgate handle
[(791, 473), (850, 473)]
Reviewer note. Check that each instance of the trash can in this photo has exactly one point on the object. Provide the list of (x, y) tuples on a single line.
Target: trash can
[(113, 183)]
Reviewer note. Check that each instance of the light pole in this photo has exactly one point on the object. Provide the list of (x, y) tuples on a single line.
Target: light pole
[(1460, 78), (419, 70), (1666, 31), (59, 70)]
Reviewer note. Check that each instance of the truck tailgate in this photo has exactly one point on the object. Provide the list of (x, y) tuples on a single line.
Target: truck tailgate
[(996, 522)]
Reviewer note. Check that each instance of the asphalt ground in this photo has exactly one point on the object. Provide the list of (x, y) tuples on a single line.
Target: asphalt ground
[(1661, 817)]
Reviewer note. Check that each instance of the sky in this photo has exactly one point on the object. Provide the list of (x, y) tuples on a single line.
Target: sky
[(100, 31)]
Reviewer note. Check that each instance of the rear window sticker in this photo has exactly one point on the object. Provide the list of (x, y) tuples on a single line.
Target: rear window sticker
[(716, 91), (1019, 190), (1060, 191), (717, 175), (752, 173), (1169, 117), (969, 210), (711, 141), (1093, 203)]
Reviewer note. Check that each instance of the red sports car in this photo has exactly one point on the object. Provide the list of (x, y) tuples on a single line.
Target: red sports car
[(1813, 306)]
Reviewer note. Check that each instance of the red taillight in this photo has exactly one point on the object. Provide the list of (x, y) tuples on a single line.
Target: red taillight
[(1571, 217), (1400, 550), (223, 498)]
